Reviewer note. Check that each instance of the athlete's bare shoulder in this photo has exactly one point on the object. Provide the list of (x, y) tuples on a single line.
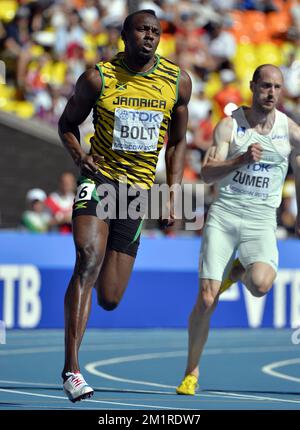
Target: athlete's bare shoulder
[(87, 90), (223, 131), (294, 134), (184, 88), (184, 78), (221, 141), (89, 84), (167, 60)]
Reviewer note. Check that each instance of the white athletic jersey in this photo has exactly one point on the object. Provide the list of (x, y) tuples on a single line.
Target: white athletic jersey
[(256, 186)]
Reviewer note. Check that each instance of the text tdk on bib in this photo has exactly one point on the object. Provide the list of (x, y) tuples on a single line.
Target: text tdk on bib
[(136, 130), (253, 180)]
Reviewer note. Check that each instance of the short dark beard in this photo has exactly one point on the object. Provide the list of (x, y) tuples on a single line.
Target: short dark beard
[(139, 58), (264, 110), (142, 58)]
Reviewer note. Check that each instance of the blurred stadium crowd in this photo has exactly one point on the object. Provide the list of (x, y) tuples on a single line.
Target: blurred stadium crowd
[(47, 44)]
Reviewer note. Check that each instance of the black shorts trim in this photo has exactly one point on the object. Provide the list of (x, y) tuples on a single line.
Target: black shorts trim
[(124, 233)]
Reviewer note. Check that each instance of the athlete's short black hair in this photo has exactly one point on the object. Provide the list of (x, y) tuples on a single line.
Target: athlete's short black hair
[(128, 20)]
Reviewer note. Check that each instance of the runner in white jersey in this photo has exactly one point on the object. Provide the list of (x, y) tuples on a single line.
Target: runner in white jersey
[(249, 161)]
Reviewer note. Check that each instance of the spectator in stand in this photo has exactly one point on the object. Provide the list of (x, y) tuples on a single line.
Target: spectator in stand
[(221, 44), (36, 218), (295, 14), (191, 46), (18, 33), (203, 134), (49, 43), (200, 124), (291, 74), (50, 104), (69, 33), (60, 202), (90, 14), (114, 11), (206, 11), (229, 93), (112, 46), (200, 106)]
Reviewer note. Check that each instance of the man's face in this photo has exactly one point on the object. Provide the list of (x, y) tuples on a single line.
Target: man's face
[(143, 37), (267, 90)]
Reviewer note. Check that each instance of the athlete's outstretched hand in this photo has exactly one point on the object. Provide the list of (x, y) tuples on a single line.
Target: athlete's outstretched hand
[(253, 154), (89, 162)]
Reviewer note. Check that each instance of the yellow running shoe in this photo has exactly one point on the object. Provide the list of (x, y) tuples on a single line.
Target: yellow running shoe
[(188, 385), (227, 281)]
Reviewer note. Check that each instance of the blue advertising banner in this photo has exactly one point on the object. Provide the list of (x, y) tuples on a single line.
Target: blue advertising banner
[(35, 270)]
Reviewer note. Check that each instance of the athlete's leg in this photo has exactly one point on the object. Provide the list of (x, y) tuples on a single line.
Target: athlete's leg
[(199, 322), (218, 249), (90, 237), (258, 278), (258, 253), (122, 247), (113, 278)]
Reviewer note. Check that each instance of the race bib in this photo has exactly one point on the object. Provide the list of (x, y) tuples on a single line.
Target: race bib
[(136, 130), (84, 191), (252, 180)]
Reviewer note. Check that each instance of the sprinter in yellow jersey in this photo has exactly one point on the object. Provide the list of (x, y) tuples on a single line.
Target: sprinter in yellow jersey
[(136, 97)]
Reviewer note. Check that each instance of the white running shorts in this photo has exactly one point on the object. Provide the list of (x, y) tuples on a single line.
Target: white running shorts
[(226, 233)]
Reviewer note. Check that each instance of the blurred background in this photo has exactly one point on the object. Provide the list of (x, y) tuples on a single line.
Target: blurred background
[(45, 45)]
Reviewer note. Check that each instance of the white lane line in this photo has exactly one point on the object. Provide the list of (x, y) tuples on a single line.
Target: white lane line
[(236, 396), (21, 351), (180, 353), (269, 369), (226, 395), (36, 405), (36, 384), (137, 357), (262, 398), (92, 368), (209, 351), (150, 406), (45, 385), (247, 350)]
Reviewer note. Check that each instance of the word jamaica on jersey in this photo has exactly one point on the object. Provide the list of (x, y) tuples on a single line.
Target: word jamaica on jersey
[(131, 118)]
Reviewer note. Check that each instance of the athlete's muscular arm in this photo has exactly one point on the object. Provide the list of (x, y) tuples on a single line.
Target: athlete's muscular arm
[(175, 152), (294, 134), (176, 147), (79, 106), (215, 165)]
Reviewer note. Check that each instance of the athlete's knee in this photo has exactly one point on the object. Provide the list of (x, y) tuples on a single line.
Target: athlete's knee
[(108, 303), (260, 290), (88, 262), (260, 285), (208, 297), (109, 295)]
